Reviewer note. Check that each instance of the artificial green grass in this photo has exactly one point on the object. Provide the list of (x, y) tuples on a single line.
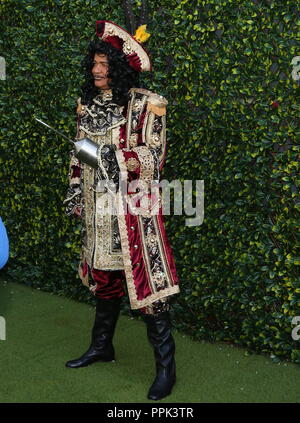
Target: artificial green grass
[(43, 331)]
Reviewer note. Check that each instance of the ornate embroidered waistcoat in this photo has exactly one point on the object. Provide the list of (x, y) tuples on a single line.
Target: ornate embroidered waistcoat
[(133, 238)]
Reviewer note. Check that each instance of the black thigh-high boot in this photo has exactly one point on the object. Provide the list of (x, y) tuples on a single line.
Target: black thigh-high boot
[(101, 348), (160, 337)]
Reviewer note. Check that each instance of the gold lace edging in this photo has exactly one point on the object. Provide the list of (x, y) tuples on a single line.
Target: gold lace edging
[(123, 233)]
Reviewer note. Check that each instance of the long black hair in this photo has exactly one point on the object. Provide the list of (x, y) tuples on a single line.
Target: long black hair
[(123, 77)]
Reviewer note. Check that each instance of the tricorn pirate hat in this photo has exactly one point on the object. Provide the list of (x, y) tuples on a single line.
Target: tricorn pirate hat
[(138, 58)]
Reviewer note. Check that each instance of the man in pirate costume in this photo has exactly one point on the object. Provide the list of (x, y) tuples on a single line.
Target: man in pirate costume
[(128, 248)]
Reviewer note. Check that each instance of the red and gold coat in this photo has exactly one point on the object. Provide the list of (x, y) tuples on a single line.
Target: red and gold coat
[(134, 237)]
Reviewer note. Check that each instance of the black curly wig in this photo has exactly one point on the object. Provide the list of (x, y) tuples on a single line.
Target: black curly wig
[(123, 77)]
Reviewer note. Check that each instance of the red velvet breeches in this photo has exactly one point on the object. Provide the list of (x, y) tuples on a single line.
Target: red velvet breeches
[(112, 284)]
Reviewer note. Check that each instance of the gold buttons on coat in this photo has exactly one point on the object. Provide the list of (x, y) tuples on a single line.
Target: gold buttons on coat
[(132, 164)]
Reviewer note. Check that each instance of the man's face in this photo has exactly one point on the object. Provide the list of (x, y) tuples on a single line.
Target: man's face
[(100, 71)]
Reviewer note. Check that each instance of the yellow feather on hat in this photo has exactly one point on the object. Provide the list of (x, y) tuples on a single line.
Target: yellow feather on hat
[(141, 35)]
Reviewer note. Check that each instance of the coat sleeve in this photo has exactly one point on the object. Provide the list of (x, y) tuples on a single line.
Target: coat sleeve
[(144, 162)]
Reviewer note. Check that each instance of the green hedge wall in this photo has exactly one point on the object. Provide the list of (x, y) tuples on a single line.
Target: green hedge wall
[(233, 121)]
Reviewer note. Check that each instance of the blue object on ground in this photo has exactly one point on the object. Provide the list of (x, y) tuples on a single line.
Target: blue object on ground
[(4, 245)]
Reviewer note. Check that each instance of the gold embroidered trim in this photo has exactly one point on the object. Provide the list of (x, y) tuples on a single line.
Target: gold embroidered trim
[(132, 164), (138, 105), (146, 255), (88, 178), (155, 140), (153, 98), (154, 297), (146, 163), (116, 136), (158, 277), (129, 122), (133, 140), (123, 233), (163, 253), (116, 125), (149, 130), (105, 258), (104, 95), (145, 125)]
